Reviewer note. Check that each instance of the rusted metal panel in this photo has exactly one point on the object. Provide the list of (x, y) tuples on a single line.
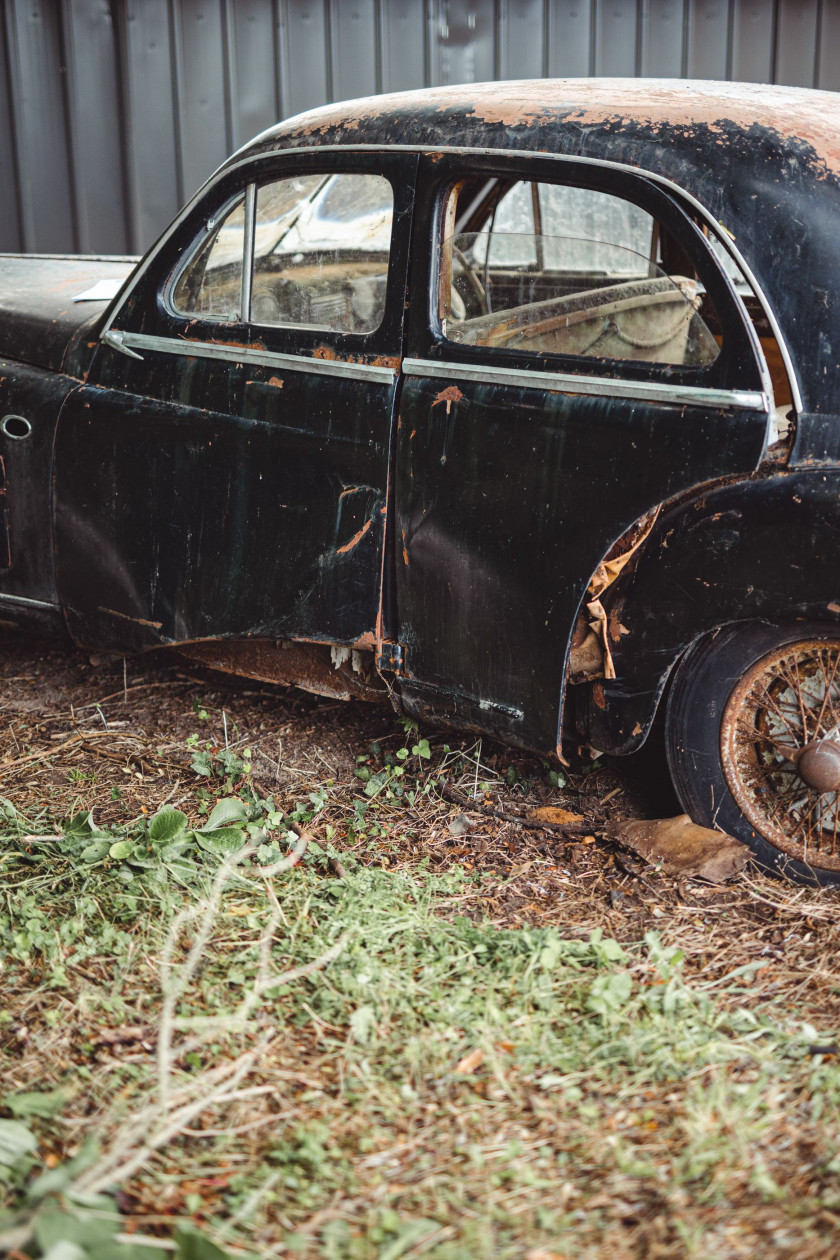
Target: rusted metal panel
[(323, 669)]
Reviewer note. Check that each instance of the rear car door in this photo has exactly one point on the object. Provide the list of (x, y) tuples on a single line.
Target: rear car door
[(581, 357), (223, 472)]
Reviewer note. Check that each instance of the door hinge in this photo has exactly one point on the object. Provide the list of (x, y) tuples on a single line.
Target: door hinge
[(390, 657)]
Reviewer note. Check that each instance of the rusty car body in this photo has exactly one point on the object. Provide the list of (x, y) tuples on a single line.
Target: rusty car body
[(514, 404)]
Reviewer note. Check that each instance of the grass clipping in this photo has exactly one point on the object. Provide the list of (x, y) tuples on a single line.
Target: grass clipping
[(216, 1047)]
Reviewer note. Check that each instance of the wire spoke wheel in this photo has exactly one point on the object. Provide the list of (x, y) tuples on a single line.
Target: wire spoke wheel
[(780, 750)]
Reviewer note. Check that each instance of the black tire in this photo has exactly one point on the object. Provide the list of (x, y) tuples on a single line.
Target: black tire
[(737, 709)]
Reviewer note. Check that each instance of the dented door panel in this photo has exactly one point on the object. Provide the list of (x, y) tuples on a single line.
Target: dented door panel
[(507, 499)]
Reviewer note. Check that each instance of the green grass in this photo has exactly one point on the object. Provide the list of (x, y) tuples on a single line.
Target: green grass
[(431, 1084)]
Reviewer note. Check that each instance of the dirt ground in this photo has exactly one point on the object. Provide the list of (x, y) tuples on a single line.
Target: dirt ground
[(113, 735)]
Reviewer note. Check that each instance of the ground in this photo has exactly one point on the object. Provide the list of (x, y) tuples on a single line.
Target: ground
[(444, 1032)]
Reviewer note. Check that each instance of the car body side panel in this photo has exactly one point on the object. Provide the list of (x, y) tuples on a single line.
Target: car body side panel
[(178, 522), (764, 549), (507, 499), (36, 396)]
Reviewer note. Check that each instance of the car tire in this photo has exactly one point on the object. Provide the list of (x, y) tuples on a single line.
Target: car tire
[(744, 705)]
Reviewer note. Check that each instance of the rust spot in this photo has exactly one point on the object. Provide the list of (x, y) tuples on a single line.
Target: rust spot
[(307, 665), (404, 548), (138, 621), (835, 608), (366, 642), (275, 381), (357, 538), (637, 729), (449, 395), (598, 696)]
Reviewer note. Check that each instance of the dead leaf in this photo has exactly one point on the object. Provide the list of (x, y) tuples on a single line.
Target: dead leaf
[(539, 1253), (470, 1061), (682, 847), (124, 1036), (552, 814)]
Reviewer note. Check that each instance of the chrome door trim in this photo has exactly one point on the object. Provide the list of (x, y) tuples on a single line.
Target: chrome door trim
[(250, 354), (571, 383), (23, 599)]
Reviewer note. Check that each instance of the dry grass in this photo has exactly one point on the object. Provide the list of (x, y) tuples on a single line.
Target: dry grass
[(440, 1086)]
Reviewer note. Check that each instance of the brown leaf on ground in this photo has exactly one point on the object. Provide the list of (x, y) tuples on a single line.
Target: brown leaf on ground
[(682, 847), (470, 1061), (552, 814)]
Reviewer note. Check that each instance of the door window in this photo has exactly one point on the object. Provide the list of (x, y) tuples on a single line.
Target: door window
[(552, 269), (211, 283), (319, 248)]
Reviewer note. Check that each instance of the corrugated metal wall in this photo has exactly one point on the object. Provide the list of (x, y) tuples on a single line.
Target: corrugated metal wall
[(113, 111)]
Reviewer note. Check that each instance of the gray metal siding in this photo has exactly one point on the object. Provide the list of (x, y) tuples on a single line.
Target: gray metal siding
[(112, 112)]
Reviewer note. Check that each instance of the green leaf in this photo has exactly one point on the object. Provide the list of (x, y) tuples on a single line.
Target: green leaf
[(202, 763), (167, 824), (36, 1104), (96, 851), (609, 993), (79, 826), (16, 1140), (66, 1251), (222, 842), (230, 810), (422, 749), (121, 849), (192, 1246)]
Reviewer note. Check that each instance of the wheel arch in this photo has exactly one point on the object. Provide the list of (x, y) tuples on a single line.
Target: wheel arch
[(765, 550)]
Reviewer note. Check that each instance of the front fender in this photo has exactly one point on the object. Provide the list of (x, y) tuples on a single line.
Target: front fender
[(765, 549)]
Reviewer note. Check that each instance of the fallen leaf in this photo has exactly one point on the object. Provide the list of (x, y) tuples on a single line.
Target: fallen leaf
[(552, 814), (470, 1061), (459, 825), (682, 847)]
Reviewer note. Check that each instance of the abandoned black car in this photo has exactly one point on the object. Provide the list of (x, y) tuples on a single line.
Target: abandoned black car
[(515, 404)]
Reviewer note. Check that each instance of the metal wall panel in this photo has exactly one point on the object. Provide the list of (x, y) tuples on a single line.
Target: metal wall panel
[(112, 112)]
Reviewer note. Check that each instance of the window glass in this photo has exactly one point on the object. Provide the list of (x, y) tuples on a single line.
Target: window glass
[(321, 247), (550, 269), (211, 283)]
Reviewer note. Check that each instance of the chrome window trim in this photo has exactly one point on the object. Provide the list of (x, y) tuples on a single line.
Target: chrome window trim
[(23, 599), (522, 155), (571, 383), (248, 254), (251, 354)]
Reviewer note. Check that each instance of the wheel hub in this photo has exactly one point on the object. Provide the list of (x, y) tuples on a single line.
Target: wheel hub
[(818, 765), (780, 749)]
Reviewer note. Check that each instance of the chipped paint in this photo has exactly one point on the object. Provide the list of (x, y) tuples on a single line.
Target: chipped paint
[(449, 395), (355, 540)]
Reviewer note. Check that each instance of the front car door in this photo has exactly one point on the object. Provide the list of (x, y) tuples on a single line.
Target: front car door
[(582, 358), (223, 473)]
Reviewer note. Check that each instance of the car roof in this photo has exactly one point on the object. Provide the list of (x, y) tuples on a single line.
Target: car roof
[(764, 161), (511, 114)]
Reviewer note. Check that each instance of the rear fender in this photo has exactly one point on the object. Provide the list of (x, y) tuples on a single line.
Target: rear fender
[(767, 549)]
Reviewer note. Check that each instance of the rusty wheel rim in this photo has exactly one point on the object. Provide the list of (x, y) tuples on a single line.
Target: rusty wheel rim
[(788, 702)]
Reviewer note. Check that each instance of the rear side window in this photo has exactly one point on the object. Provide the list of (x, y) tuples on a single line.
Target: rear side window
[(552, 269)]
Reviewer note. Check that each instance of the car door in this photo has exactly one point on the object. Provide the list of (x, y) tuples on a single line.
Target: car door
[(223, 472), (581, 358)]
